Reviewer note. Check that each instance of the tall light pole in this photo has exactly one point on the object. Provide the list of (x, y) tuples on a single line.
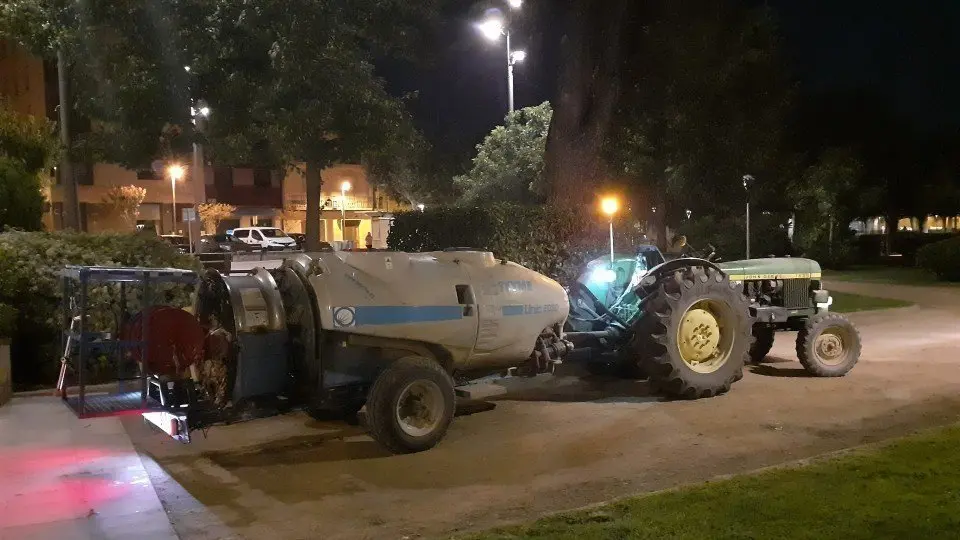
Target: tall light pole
[(610, 206), (494, 27), (747, 181), (199, 115), (344, 188), (176, 174)]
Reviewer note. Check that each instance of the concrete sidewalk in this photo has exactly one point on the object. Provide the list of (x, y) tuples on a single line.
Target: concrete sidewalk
[(63, 478)]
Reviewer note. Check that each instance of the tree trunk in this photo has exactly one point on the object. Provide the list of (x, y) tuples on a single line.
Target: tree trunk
[(586, 99), (891, 221), (314, 185), (68, 183)]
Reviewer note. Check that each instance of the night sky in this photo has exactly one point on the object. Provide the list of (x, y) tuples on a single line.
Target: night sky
[(906, 51)]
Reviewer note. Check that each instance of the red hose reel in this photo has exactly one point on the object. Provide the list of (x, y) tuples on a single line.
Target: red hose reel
[(175, 340)]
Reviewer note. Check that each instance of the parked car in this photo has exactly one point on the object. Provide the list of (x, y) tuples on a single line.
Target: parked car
[(217, 243), (270, 238), (178, 241)]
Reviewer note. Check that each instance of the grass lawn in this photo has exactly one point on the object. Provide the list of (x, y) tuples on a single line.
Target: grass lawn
[(895, 275), (849, 303), (909, 489)]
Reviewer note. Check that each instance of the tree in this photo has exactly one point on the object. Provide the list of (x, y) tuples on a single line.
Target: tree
[(120, 74), (822, 197), (679, 108), (125, 201), (294, 83), (27, 149), (702, 104), (509, 162), (587, 95), (211, 214)]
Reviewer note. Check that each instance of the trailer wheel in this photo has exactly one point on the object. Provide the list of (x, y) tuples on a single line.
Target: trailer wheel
[(410, 405), (763, 342), (695, 335), (828, 345)]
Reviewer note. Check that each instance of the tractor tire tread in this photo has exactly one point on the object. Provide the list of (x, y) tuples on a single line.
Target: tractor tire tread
[(806, 341), (380, 406), (763, 342), (652, 342)]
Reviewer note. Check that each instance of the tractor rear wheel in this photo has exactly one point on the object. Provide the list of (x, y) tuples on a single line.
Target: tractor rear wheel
[(695, 334), (828, 345), (763, 342), (410, 405)]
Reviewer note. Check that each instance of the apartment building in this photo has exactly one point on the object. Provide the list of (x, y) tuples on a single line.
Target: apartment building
[(351, 206)]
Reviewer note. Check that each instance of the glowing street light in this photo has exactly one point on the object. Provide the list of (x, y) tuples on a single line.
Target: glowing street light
[(610, 206), (421, 207), (494, 27)]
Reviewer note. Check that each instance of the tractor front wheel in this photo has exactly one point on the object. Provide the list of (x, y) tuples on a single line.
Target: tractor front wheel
[(763, 342), (410, 405), (695, 334), (828, 345)]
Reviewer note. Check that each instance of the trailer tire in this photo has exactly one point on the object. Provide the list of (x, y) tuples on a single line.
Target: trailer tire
[(828, 345), (763, 342), (713, 317), (410, 405)]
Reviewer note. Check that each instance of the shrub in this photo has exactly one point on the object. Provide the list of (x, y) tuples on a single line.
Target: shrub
[(942, 258), (551, 241), (29, 263)]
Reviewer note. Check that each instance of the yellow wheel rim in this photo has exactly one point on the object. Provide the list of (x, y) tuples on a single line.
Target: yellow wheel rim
[(830, 346), (704, 336)]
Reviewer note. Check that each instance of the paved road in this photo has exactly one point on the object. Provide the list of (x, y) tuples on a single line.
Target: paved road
[(559, 443)]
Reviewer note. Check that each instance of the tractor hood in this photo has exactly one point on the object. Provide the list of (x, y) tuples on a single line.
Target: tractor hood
[(771, 268)]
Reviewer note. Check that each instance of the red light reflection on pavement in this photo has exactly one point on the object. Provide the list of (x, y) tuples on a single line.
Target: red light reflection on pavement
[(46, 484)]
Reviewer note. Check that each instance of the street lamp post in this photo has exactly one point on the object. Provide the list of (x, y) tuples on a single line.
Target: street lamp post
[(344, 188), (176, 173), (199, 115), (747, 181), (609, 206), (492, 29)]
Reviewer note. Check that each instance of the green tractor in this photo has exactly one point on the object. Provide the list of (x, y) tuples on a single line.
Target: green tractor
[(689, 325)]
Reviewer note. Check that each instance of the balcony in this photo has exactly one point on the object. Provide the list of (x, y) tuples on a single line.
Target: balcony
[(334, 202)]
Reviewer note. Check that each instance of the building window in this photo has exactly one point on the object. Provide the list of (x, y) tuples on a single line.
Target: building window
[(262, 177), (147, 174), (222, 179)]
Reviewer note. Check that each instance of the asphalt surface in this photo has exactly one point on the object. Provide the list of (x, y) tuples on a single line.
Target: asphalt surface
[(556, 443)]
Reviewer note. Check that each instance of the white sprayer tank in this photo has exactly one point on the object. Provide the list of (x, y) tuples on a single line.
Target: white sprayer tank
[(487, 313)]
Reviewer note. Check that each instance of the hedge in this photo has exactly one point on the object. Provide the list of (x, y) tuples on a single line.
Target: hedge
[(29, 262), (552, 241), (8, 321), (942, 258)]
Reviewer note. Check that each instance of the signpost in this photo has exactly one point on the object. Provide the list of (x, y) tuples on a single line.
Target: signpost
[(189, 216)]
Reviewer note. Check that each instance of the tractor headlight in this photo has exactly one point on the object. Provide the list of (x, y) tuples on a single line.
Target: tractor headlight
[(603, 275)]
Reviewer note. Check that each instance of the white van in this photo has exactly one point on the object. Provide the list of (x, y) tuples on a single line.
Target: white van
[(264, 237)]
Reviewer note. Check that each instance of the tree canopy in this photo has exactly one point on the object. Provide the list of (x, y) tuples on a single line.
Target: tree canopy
[(509, 162), (27, 149)]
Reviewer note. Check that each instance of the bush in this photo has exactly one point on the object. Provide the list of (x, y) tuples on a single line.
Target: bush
[(942, 258), (29, 263), (551, 241)]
